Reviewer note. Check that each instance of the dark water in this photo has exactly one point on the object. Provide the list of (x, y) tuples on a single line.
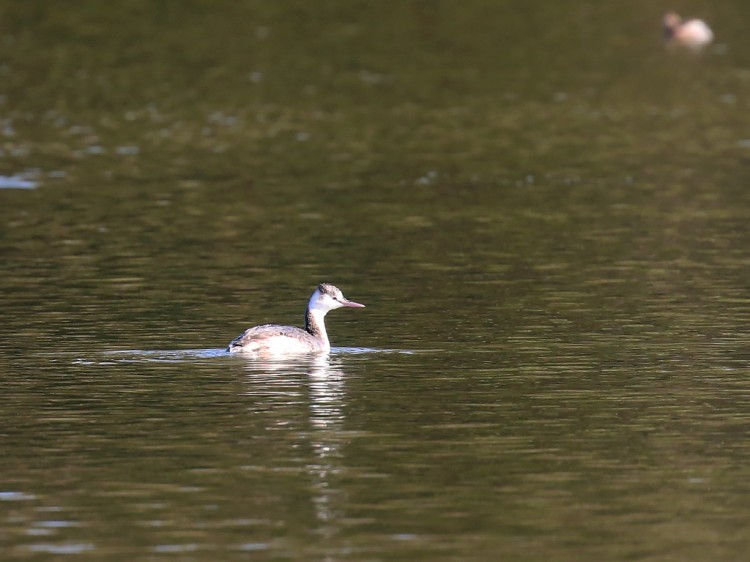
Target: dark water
[(545, 211)]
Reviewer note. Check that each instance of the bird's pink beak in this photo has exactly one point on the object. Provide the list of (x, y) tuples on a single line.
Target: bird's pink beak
[(352, 304)]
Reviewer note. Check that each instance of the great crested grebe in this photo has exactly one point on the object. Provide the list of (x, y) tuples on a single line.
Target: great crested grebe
[(274, 339), (691, 33)]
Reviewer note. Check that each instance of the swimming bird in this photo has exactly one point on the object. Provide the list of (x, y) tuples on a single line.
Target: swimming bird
[(691, 33), (274, 339)]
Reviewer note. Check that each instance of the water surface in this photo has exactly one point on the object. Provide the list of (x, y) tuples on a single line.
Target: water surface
[(544, 211)]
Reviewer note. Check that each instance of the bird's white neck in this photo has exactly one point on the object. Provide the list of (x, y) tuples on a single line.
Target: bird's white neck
[(316, 326)]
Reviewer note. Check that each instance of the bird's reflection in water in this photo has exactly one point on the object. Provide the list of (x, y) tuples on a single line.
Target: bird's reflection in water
[(327, 399), (306, 401)]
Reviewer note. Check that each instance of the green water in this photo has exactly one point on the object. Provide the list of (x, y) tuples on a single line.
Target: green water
[(544, 211)]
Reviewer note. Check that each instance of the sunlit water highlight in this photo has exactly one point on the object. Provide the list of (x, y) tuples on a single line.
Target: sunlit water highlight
[(16, 182), (180, 355)]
